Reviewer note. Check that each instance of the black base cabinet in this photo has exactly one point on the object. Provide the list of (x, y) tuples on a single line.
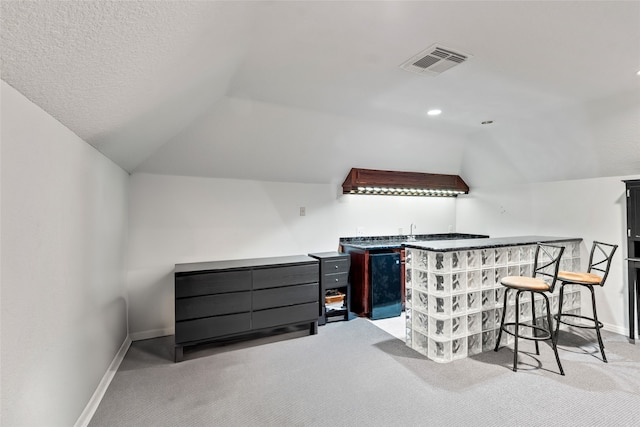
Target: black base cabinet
[(334, 275), (216, 300)]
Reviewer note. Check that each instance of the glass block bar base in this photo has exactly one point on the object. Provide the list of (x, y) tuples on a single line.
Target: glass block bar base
[(454, 299)]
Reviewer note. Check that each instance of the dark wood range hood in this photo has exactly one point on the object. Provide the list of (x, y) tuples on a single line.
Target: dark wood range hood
[(395, 183)]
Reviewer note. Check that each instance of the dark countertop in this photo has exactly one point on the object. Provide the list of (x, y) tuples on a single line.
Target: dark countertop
[(397, 242), (242, 263), (497, 242)]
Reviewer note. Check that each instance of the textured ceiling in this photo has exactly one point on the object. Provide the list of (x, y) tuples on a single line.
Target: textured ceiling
[(303, 91)]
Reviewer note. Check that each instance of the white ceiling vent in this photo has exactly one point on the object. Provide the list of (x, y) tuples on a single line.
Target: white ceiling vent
[(434, 60)]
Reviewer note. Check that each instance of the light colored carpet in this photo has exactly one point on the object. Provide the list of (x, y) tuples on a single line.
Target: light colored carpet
[(353, 373)]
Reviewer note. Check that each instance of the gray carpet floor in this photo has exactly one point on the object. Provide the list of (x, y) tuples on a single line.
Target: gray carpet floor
[(353, 373)]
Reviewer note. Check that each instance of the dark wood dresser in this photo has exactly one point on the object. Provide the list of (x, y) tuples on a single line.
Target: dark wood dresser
[(215, 300)]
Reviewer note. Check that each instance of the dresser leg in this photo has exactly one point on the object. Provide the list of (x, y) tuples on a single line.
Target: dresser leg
[(313, 328), (178, 355)]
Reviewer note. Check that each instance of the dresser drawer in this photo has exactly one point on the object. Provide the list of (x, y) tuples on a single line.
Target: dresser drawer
[(190, 285), (285, 276), (212, 305), (210, 327), (336, 265), (289, 295), (338, 280), (285, 315)]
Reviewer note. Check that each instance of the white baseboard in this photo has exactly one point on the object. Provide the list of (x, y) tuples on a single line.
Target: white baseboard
[(616, 328), (91, 407), (153, 333)]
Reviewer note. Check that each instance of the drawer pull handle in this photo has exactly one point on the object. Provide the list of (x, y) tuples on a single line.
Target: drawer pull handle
[(337, 280), (336, 267)]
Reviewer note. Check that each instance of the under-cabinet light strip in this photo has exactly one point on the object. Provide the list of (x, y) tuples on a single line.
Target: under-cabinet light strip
[(407, 191)]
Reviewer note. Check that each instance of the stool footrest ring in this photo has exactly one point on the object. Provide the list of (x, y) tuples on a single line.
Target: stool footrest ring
[(546, 334), (591, 319)]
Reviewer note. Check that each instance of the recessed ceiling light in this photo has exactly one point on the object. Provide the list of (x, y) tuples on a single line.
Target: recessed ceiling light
[(638, 73), (434, 112), (487, 122)]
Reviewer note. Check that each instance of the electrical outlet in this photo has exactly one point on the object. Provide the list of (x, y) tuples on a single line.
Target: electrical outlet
[(359, 231), (303, 211)]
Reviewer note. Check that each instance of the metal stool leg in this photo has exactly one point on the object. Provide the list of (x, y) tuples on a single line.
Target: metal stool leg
[(597, 324), (553, 343), (559, 316), (516, 333), (504, 312), (533, 321)]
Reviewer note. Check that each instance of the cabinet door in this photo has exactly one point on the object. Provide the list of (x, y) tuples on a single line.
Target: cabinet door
[(633, 212)]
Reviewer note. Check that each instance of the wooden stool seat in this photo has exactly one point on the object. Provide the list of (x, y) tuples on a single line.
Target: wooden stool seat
[(525, 283), (582, 278)]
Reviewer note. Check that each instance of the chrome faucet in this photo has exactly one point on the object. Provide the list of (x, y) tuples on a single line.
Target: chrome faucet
[(411, 236)]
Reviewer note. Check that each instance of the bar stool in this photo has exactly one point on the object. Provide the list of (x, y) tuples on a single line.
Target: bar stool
[(599, 260), (546, 263)]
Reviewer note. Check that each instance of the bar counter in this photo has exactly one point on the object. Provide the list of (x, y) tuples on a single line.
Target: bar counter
[(454, 296)]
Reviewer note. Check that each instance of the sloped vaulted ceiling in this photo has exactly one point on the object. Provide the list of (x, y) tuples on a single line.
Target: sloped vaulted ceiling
[(303, 91)]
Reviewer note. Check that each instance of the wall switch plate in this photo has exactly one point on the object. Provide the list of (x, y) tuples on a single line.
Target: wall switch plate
[(303, 211)]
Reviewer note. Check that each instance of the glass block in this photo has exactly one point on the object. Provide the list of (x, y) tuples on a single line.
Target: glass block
[(420, 301), (439, 351), (408, 257), (488, 299), (474, 344), (499, 296), (499, 274), (500, 256), (526, 253), (421, 322), (459, 326), (574, 249), (459, 348), (459, 282), (487, 257), (458, 304), (488, 279), (474, 301), (440, 262), (439, 305), (474, 323), (420, 343), (511, 296), (513, 270), (408, 337), (408, 315), (439, 283), (488, 320), (420, 280), (440, 328), (473, 260), (488, 340), (512, 255), (458, 261), (575, 264), (566, 264), (575, 299), (539, 308), (498, 317), (525, 270), (408, 273), (408, 296), (554, 303), (474, 280), (525, 311), (421, 260)]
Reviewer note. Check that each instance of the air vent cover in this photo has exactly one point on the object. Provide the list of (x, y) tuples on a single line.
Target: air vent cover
[(434, 60)]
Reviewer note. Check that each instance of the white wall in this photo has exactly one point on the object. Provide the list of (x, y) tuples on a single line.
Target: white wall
[(593, 209), (183, 219), (63, 239)]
